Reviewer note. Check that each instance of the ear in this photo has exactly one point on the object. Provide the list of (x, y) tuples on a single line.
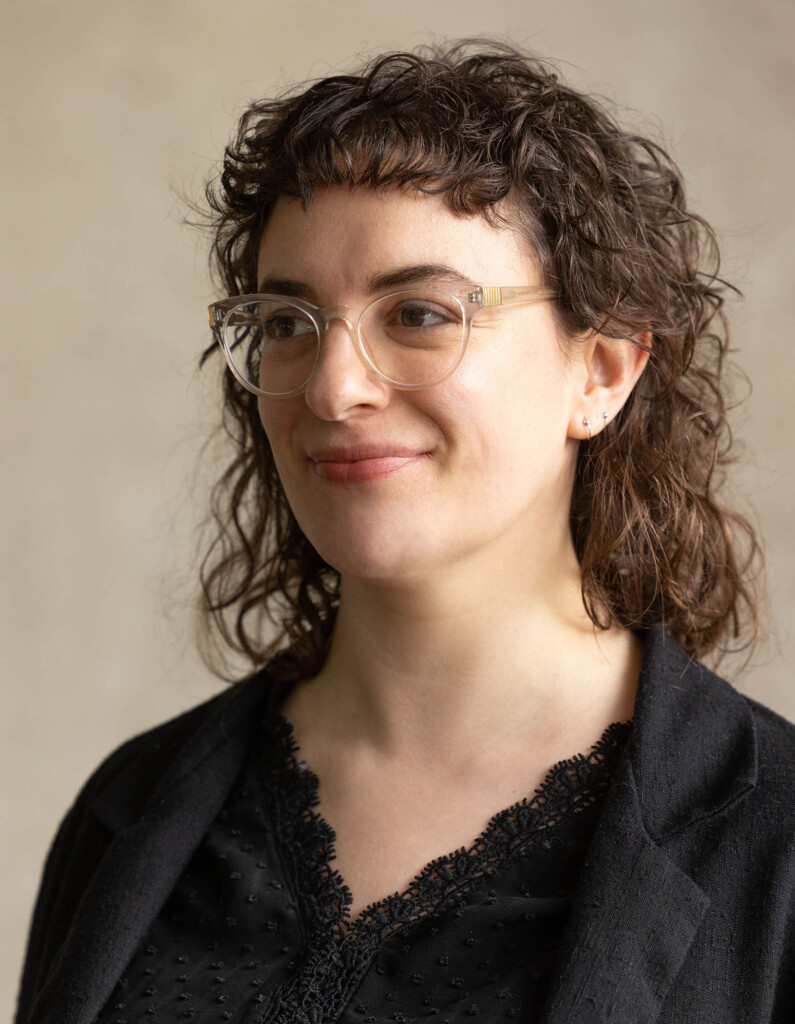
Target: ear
[(610, 368)]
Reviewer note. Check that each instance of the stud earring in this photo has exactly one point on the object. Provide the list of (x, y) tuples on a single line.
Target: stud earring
[(606, 417), (587, 423)]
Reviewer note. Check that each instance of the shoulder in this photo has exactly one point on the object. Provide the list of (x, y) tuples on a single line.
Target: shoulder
[(766, 744), (197, 750), (127, 777), (155, 744), (675, 687), (701, 747), (771, 733), (776, 743), (775, 734)]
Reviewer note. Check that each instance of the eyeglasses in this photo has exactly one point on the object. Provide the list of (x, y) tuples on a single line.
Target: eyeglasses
[(409, 339)]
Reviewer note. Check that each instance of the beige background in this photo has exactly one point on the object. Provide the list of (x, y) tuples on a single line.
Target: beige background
[(107, 107)]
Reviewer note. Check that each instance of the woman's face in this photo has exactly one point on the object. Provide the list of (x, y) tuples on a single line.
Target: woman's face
[(390, 484)]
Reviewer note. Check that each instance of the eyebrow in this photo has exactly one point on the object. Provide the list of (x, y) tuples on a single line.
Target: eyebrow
[(395, 278)]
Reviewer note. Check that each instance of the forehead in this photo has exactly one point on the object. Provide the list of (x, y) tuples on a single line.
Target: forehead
[(345, 236)]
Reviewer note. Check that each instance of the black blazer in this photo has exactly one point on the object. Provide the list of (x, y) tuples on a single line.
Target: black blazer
[(684, 911)]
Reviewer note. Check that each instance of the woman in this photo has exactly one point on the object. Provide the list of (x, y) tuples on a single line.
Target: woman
[(474, 346)]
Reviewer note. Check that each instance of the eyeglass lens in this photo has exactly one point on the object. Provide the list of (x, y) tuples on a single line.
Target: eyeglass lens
[(411, 337)]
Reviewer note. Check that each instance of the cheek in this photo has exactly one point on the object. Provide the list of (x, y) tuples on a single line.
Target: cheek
[(541, 391), (516, 404), (278, 418)]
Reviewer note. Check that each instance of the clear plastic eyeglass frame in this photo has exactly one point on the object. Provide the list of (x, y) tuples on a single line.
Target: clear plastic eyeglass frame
[(470, 300)]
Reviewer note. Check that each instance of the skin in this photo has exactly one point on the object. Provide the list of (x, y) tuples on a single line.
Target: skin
[(461, 618)]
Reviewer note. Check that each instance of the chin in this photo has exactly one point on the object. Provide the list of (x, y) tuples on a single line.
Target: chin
[(381, 564), (373, 555)]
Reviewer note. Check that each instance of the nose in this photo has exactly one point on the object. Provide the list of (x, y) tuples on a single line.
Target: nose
[(342, 382)]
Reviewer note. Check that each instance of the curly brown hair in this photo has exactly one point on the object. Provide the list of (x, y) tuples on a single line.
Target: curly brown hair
[(604, 209)]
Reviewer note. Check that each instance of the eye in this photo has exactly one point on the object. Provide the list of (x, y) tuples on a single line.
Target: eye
[(416, 314), (284, 325), (414, 321)]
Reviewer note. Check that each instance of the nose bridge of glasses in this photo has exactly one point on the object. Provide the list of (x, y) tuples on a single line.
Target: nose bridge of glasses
[(337, 313)]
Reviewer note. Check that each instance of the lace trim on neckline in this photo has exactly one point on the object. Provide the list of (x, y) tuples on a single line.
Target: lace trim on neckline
[(569, 787)]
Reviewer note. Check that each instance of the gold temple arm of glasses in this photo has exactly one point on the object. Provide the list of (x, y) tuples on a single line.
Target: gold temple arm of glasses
[(494, 295)]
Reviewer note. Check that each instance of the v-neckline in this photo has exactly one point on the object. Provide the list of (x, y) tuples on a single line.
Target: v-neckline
[(307, 839)]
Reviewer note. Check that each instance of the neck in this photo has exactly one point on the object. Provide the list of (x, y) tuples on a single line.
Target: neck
[(439, 663)]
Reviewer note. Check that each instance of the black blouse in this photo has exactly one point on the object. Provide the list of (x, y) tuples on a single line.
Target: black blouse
[(256, 930)]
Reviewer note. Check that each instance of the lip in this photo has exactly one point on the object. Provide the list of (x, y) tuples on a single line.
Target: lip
[(360, 463)]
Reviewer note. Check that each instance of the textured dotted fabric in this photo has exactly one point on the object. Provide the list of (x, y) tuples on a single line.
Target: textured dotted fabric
[(255, 929)]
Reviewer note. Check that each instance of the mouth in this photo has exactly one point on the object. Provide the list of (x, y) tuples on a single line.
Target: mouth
[(362, 464)]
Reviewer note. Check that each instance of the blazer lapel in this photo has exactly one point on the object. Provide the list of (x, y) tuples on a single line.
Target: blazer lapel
[(144, 861), (634, 917), (636, 912)]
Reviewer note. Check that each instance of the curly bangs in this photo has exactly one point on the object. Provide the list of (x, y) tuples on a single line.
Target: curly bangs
[(496, 133)]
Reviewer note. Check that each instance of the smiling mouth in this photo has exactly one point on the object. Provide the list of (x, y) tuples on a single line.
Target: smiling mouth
[(349, 468)]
